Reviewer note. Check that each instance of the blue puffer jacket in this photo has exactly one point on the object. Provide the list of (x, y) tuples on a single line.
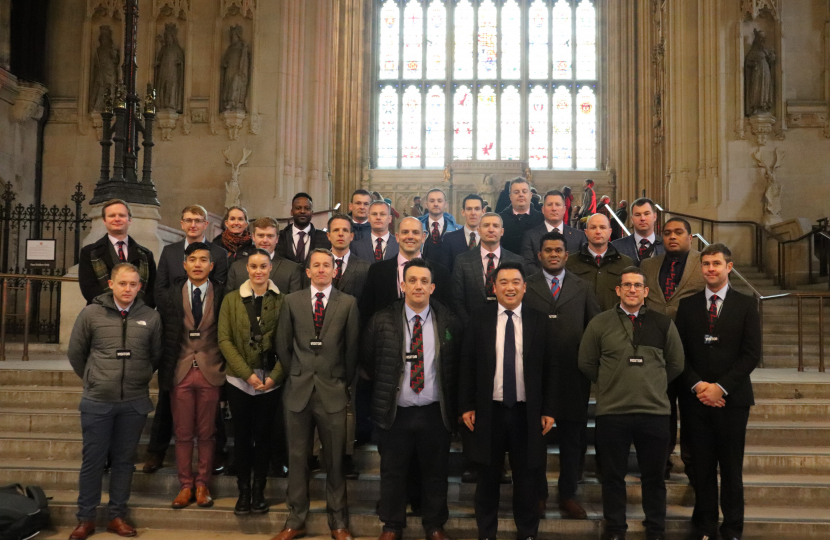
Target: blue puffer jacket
[(448, 219)]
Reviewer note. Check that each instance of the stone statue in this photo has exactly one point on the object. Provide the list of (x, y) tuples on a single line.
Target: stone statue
[(758, 76), (236, 73), (169, 76), (232, 189), (105, 64), (772, 193)]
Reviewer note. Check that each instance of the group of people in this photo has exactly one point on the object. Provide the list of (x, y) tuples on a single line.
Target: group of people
[(495, 330)]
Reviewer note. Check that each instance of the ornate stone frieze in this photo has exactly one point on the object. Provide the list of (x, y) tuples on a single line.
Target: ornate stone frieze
[(176, 8), (105, 8), (807, 114), (761, 125), (754, 8), (246, 8), (199, 116)]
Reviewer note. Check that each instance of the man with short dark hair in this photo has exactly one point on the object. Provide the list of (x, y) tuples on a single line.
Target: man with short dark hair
[(417, 210), (643, 243), (300, 237), (632, 353), (379, 244), (359, 211), (437, 223), (466, 238), (554, 210), (194, 223), (286, 275), (520, 217)]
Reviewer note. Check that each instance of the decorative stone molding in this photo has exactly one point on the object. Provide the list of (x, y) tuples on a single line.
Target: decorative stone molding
[(761, 125), (807, 114), (246, 8), (754, 8), (176, 8), (105, 8), (233, 123), (27, 105), (63, 111), (166, 121), (255, 125), (199, 116), (772, 192)]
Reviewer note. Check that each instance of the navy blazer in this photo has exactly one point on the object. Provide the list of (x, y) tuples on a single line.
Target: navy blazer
[(532, 242), (363, 248), (171, 264), (455, 243), (628, 246)]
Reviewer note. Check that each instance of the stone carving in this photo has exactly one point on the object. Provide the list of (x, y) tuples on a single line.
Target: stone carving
[(232, 189), (27, 103), (199, 116), (753, 8), (166, 121), (236, 73), (761, 125), (772, 193), (169, 72), (233, 123), (760, 87), (105, 8), (105, 62), (246, 8)]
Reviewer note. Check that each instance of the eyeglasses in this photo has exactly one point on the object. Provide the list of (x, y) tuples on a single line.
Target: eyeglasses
[(635, 286), (194, 221)]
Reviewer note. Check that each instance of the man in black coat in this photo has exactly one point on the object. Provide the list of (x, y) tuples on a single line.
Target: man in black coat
[(97, 260), (466, 238), (507, 397), (520, 216), (194, 224), (286, 275), (554, 210), (410, 349), (300, 237), (378, 244), (570, 304), (721, 334), (643, 243)]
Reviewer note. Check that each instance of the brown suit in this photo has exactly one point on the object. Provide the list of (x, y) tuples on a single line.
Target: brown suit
[(205, 350), (691, 282)]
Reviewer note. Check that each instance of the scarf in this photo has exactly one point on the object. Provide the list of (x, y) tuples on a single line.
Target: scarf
[(233, 242)]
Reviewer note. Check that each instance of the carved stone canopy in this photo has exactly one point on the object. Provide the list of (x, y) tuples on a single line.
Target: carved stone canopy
[(246, 8), (754, 8), (105, 8)]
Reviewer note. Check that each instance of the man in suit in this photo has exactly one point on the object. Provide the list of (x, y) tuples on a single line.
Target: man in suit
[(589, 201), (379, 244), (506, 394), (285, 274), (359, 211), (554, 212), (473, 279), (632, 353), (97, 260), (300, 238), (721, 334), (171, 268), (437, 223), (598, 263), (317, 344), (520, 217), (671, 277), (467, 237), (570, 304), (411, 350), (643, 244)]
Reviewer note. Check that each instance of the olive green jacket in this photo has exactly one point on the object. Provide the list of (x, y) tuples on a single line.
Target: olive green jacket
[(603, 278)]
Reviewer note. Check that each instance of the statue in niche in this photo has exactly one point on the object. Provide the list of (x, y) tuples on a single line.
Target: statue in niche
[(758, 76), (169, 75), (105, 64), (236, 72)]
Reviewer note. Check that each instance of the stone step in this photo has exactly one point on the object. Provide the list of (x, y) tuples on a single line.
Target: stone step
[(790, 339), (811, 361), (154, 512), (45, 397)]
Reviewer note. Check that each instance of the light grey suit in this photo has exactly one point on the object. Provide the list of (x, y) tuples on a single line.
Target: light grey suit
[(316, 394), (286, 275), (468, 290)]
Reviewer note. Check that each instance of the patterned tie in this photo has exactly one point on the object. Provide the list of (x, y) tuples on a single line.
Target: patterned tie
[(633, 318), (319, 312), (379, 249), (301, 247), (644, 245), (509, 363), (123, 312), (671, 282), (490, 278), (436, 234), (416, 372), (121, 256), (339, 275), (599, 260), (472, 245), (554, 288), (196, 307), (713, 313)]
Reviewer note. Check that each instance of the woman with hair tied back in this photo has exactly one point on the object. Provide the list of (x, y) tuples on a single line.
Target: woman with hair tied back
[(236, 238)]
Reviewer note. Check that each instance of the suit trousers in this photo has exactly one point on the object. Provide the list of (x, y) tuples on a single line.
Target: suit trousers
[(718, 437), (417, 434), (650, 435), (331, 428), (253, 418), (508, 434), (161, 430), (675, 389), (193, 402), (573, 441), (116, 433)]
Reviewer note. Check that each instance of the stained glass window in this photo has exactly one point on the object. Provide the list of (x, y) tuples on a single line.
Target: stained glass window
[(486, 79)]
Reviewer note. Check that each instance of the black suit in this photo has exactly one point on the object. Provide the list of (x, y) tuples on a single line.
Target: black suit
[(454, 244), (437, 253), (498, 428), (532, 242), (718, 435), (515, 226), (171, 264), (285, 245), (103, 251), (468, 287), (383, 277), (568, 316), (628, 247)]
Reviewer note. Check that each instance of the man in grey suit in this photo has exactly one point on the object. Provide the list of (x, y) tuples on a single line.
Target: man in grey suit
[(554, 210), (317, 343), (285, 274), (379, 244), (643, 244)]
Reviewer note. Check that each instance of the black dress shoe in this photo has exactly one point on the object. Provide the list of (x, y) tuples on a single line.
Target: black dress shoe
[(349, 470), (220, 462), (469, 476)]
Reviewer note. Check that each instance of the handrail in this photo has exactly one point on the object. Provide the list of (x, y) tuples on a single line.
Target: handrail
[(734, 271), (617, 219)]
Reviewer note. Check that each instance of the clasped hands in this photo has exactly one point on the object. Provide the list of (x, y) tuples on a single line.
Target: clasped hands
[(710, 394), (260, 386), (469, 419)]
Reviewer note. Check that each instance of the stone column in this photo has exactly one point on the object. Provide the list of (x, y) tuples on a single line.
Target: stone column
[(5, 34)]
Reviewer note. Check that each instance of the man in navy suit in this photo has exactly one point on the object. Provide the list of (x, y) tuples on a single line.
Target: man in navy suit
[(466, 238), (379, 244), (643, 244), (554, 210)]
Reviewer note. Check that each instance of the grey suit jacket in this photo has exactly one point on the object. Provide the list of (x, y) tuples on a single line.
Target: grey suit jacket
[(364, 249), (286, 275), (468, 289), (327, 370), (532, 240), (628, 246), (691, 282), (354, 278), (171, 264)]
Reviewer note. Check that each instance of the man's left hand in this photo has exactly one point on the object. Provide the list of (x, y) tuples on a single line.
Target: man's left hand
[(547, 424), (712, 395)]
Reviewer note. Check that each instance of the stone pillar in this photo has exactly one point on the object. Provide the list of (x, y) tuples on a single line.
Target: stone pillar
[(5, 34)]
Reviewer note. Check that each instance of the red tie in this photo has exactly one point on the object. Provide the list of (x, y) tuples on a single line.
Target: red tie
[(121, 256), (436, 234), (123, 312), (472, 244), (318, 313), (379, 249), (671, 282), (301, 247), (416, 372), (644, 244), (633, 319), (554, 288), (713, 313), (339, 274), (491, 279), (599, 260)]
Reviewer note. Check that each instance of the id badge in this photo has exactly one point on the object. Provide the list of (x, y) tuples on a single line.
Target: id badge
[(710, 340), (315, 344), (635, 361), (123, 354), (491, 298), (411, 357), (194, 334), (552, 316)]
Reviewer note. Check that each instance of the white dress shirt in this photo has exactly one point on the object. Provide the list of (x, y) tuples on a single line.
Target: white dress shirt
[(429, 394), (118, 306), (650, 239), (635, 313), (203, 287), (721, 296), (440, 223), (345, 259), (498, 380), (551, 228), (295, 234), (467, 232), (326, 292), (384, 241), (188, 242), (485, 260), (594, 254), (114, 241)]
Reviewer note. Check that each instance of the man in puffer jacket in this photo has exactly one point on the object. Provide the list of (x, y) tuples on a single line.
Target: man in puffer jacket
[(411, 350), (115, 348)]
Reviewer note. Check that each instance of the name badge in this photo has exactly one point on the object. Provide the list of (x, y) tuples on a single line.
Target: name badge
[(315, 344), (194, 334), (412, 357), (123, 354), (491, 298), (710, 340), (635, 361), (552, 316)]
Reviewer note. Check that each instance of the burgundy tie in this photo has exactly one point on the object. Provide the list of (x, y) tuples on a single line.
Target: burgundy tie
[(472, 244), (644, 244), (123, 312), (416, 371), (633, 319), (491, 279), (339, 274), (599, 260), (301, 247), (436, 234), (671, 282), (379, 250), (121, 256), (319, 311), (713, 313)]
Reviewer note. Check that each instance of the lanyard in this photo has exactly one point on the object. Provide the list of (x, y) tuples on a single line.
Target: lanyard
[(634, 344)]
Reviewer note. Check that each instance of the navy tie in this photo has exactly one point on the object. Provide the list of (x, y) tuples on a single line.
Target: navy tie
[(196, 307), (509, 363)]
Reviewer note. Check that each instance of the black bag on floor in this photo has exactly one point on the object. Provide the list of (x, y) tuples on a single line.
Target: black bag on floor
[(23, 512)]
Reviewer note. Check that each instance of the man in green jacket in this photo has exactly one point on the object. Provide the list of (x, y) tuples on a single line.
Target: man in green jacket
[(632, 353)]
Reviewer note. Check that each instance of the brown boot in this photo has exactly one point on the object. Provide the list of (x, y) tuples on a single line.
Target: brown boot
[(184, 498), (120, 527), (203, 497), (83, 530), (289, 534)]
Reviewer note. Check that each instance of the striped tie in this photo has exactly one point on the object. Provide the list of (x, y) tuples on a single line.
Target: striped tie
[(671, 282), (319, 312), (490, 278), (416, 372), (379, 250), (121, 256), (713, 313), (554, 288)]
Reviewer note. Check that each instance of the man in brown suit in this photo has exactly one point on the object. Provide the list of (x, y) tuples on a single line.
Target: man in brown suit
[(194, 368)]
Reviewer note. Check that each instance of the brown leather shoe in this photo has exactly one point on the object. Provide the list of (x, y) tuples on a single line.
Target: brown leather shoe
[(184, 499), (153, 464), (438, 535), (341, 534), (572, 509), (203, 497), (288, 534), (83, 530), (120, 527), (389, 535)]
